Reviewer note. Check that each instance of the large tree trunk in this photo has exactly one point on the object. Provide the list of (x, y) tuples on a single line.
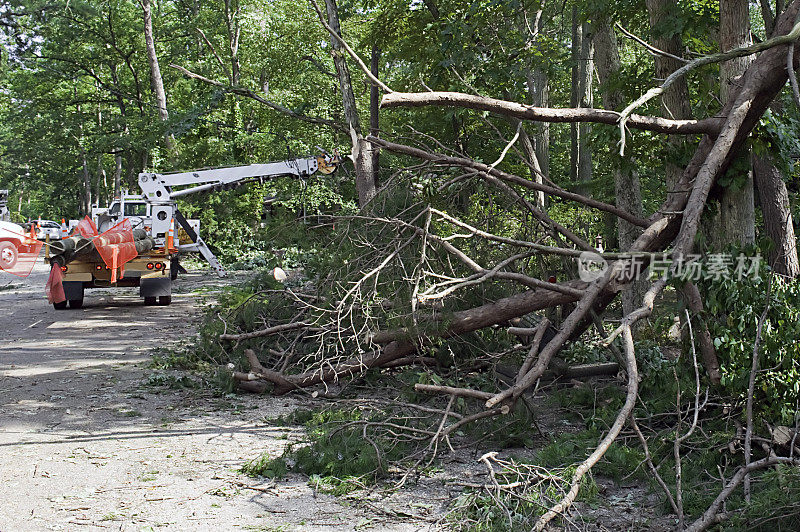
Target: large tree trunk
[(778, 223), (581, 96), (626, 181), (735, 219), (537, 146), (86, 196), (362, 150), (156, 80)]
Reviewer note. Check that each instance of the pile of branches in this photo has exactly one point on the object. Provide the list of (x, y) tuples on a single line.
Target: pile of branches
[(346, 332)]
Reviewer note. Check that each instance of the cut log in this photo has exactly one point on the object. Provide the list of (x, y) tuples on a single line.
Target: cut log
[(78, 247)]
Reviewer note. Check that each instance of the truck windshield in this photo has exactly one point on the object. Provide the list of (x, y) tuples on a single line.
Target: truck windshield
[(135, 209)]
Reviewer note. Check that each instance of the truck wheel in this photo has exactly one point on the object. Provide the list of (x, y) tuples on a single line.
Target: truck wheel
[(150, 300), (75, 303), (60, 306), (8, 255), (164, 300)]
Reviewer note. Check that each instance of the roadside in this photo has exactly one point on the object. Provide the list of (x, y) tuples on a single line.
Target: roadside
[(87, 441)]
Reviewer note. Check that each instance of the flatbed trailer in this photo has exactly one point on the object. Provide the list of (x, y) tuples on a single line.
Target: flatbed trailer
[(152, 272)]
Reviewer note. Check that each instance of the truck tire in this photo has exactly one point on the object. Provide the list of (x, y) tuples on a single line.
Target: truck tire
[(60, 306), (149, 300), (8, 255), (75, 303), (164, 300)]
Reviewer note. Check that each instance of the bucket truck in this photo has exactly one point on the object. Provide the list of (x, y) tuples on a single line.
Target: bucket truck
[(152, 215)]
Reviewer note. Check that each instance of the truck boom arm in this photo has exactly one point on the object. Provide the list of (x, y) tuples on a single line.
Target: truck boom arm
[(163, 187), (161, 190)]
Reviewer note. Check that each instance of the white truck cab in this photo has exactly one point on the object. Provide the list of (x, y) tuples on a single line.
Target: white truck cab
[(10, 235)]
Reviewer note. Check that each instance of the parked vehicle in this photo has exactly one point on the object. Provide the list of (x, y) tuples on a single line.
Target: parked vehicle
[(11, 236), (45, 228)]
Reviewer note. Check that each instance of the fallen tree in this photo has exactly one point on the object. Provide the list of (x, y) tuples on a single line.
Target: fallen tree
[(672, 229)]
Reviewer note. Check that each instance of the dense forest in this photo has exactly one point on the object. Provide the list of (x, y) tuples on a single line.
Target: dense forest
[(591, 197)]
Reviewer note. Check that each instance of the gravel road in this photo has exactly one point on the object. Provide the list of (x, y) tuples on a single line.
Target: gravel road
[(87, 443)]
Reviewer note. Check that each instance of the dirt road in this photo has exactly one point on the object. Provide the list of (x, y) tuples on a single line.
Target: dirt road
[(87, 443)]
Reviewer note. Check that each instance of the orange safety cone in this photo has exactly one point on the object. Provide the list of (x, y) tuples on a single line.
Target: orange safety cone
[(171, 235), (64, 229)]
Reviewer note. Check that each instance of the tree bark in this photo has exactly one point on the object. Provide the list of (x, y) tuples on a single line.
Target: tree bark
[(778, 223), (531, 153), (546, 114), (374, 113), (156, 80), (735, 219), (626, 182), (580, 96), (86, 197), (362, 150), (585, 76), (117, 174), (537, 146), (675, 100), (675, 103)]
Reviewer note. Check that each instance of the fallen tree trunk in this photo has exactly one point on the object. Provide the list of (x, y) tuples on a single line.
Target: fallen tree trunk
[(676, 221), (78, 247)]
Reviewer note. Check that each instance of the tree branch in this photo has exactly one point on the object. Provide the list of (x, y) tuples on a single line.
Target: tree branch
[(240, 91), (546, 114), (486, 169)]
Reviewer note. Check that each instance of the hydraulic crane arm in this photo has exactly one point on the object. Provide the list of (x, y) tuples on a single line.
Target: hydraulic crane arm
[(161, 190), (165, 187)]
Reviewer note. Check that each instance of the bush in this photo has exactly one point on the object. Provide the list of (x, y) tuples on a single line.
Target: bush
[(732, 311)]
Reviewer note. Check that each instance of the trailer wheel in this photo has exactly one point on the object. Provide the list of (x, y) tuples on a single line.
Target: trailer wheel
[(164, 300), (60, 306), (150, 300), (75, 303)]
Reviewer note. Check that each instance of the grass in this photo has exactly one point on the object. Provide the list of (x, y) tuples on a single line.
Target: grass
[(334, 454)]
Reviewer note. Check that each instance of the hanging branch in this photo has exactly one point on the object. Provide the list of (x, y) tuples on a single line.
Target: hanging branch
[(546, 114), (626, 117), (247, 93)]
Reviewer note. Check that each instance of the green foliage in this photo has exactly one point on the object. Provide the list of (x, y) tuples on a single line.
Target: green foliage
[(732, 310), (335, 454), (776, 137)]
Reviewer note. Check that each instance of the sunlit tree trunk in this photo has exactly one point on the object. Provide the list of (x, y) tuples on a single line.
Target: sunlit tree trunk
[(362, 150), (156, 80), (735, 219)]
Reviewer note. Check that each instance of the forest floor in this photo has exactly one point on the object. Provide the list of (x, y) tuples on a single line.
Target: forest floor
[(92, 437)]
